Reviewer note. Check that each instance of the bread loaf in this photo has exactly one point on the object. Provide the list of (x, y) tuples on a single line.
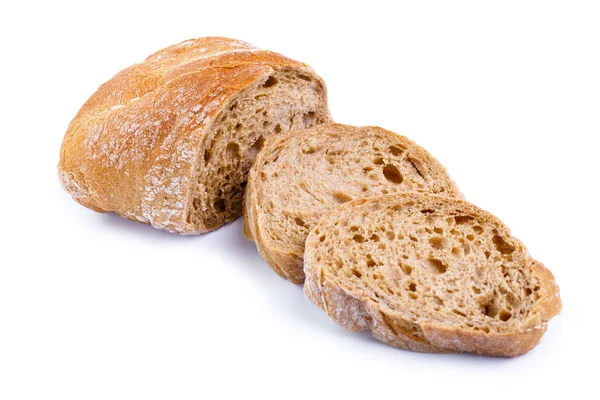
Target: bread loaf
[(169, 141), (300, 176), (429, 273)]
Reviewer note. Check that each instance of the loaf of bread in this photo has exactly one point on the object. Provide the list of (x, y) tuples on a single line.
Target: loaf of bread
[(169, 141), (429, 273), (300, 176)]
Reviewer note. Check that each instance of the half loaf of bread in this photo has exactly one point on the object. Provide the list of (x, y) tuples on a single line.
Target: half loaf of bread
[(299, 177), (429, 273), (169, 141)]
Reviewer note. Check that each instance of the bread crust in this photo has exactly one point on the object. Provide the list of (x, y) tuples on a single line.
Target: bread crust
[(355, 311), (132, 147), (289, 263)]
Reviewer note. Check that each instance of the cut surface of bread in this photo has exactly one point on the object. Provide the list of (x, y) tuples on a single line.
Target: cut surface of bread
[(300, 176), (169, 141), (429, 273)]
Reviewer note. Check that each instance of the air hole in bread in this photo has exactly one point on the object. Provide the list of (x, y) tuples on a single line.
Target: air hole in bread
[(356, 273), (371, 263), (299, 221), (504, 315), (396, 150), (390, 235), (353, 228), (374, 238), (502, 246), (257, 146), (416, 165), (457, 312), (310, 150), (322, 238), (436, 266), (490, 310), (367, 169), (309, 118), (277, 128), (341, 197), (219, 205), (304, 77), (271, 81), (456, 252), (358, 238), (427, 211), (378, 161), (392, 174), (475, 289), (470, 237), (463, 219), (439, 231), (407, 268), (478, 229), (232, 150), (412, 287), (438, 242), (207, 156)]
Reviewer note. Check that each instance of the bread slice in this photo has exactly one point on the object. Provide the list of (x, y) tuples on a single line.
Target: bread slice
[(300, 176), (169, 141), (429, 273)]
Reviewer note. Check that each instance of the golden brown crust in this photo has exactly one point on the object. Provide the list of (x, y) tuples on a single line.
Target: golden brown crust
[(132, 146)]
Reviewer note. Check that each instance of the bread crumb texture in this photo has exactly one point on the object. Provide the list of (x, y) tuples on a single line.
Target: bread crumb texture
[(299, 177), (429, 273)]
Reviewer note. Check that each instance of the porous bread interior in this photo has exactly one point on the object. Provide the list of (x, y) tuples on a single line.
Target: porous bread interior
[(317, 170), (286, 100), (430, 261)]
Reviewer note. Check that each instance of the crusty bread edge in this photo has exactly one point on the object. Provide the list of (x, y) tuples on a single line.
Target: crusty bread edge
[(288, 265), (284, 264)]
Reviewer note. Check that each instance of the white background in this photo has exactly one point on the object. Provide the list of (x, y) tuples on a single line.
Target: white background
[(505, 94)]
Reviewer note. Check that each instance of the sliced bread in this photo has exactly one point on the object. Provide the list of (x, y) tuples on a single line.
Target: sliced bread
[(300, 176), (429, 273)]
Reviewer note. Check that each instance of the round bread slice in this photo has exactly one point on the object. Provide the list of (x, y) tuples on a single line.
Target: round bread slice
[(299, 177), (169, 141), (429, 273)]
